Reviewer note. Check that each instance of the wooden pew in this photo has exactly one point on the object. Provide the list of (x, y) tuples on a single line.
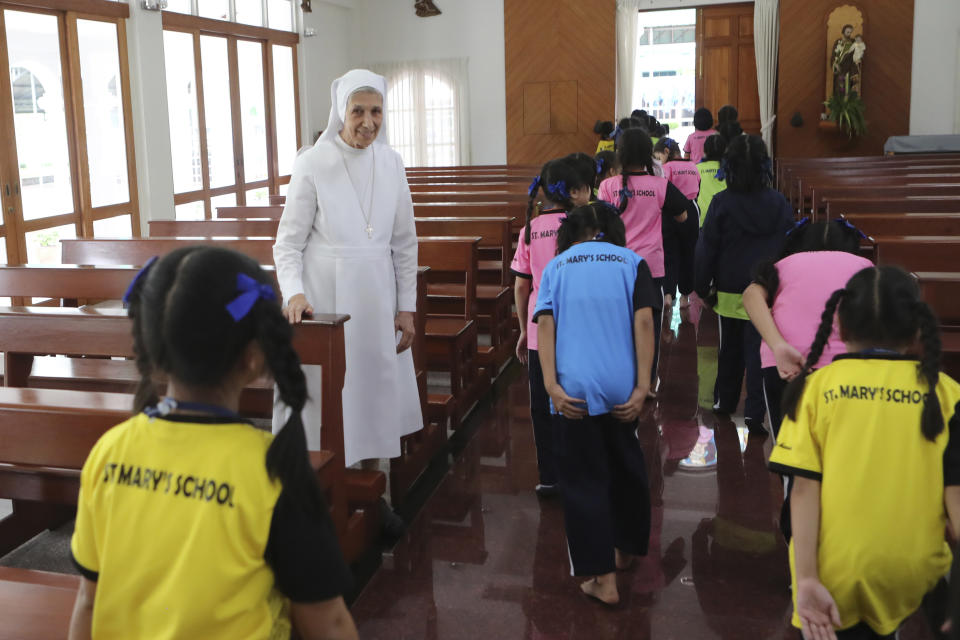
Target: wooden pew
[(36, 605), (919, 191), (272, 211), (896, 224), (918, 253), (452, 187), (468, 196), (941, 290), (27, 332), (871, 203), (218, 227), (136, 251)]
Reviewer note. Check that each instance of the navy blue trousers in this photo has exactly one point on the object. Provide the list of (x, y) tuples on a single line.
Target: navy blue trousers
[(739, 352), (542, 426)]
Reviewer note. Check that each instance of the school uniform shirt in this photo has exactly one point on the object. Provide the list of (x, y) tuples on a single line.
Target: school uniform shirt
[(530, 260), (592, 291), (806, 281), (882, 518), (740, 230), (651, 198), (187, 536), (684, 175), (694, 144), (605, 145), (709, 186)]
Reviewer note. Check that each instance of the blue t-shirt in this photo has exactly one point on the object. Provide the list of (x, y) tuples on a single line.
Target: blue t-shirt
[(592, 291)]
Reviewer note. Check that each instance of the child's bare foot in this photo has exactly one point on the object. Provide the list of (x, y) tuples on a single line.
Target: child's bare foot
[(602, 588), (622, 560)]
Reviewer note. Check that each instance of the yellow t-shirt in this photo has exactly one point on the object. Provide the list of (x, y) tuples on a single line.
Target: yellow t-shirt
[(174, 521), (709, 186), (604, 145), (882, 517)]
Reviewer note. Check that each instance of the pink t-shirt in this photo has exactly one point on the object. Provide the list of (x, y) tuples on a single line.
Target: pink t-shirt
[(685, 176), (806, 281), (694, 144), (643, 216), (531, 259)]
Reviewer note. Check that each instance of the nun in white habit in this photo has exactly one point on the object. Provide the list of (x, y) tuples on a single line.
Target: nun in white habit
[(347, 243)]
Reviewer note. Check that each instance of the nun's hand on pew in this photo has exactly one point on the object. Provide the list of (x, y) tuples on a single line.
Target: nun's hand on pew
[(297, 308), (404, 323)]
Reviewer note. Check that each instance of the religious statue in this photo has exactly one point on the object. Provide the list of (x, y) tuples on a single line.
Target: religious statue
[(426, 8), (848, 53)]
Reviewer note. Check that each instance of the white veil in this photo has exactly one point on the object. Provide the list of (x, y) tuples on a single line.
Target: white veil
[(340, 92)]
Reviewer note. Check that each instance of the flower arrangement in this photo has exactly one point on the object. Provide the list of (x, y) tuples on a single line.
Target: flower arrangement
[(848, 111)]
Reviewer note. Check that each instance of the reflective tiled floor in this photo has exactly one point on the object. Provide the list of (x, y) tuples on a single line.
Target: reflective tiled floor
[(486, 559)]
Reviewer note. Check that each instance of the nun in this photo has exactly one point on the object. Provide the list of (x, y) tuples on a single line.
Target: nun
[(347, 244)]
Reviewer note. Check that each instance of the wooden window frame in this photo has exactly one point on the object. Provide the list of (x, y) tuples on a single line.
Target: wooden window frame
[(67, 13), (233, 33)]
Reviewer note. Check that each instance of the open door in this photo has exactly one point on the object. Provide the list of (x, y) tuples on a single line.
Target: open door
[(726, 63)]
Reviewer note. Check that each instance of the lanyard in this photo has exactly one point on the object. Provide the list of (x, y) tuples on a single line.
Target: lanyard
[(168, 405)]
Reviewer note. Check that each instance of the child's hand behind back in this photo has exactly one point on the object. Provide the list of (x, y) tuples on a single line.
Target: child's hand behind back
[(572, 408), (630, 410)]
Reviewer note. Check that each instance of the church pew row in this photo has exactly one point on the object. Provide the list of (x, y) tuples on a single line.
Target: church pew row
[(494, 291), (27, 332), (941, 290), (804, 191), (74, 284), (822, 194), (836, 206), (893, 224), (796, 181), (36, 605), (460, 363), (785, 165), (469, 196), (436, 185)]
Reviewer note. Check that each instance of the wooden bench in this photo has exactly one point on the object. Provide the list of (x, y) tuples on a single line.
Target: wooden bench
[(869, 203), (941, 290), (218, 227), (895, 224), (469, 196), (820, 195), (271, 211), (36, 605), (918, 253)]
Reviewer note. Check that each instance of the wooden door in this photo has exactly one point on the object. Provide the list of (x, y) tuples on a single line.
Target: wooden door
[(726, 62)]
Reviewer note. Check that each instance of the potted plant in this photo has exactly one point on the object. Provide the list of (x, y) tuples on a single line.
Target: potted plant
[(847, 110)]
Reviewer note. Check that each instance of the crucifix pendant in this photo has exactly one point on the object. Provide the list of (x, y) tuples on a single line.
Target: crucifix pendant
[(369, 230)]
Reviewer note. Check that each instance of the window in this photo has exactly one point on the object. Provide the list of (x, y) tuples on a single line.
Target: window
[(275, 14), (234, 119), (70, 143), (425, 111)]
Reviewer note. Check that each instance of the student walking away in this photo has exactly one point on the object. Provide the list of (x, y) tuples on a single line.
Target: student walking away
[(595, 323), (643, 200), (746, 224), (605, 131), (562, 189), (703, 129), (191, 522), (873, 443), (679, 239)]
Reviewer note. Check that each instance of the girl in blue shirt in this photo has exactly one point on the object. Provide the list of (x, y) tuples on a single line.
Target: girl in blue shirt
[(595, 327)]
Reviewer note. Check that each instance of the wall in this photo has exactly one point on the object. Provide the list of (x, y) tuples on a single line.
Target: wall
[(886, 76), (936, 71), (322, 58), (560, 75), (389, 30)]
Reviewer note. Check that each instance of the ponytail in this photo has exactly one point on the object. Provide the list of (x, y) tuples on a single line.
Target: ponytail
[(931, 424), (794, 391)]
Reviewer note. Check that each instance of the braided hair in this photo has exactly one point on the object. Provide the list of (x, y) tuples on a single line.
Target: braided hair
[(747, 165), (182, 328), (880, 306), (597, 219), (636, 150), (557, 179)]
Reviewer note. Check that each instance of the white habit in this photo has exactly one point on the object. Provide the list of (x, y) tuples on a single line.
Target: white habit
[(348, 242)]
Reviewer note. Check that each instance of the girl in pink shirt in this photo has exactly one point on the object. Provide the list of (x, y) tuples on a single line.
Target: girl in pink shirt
[(703, 123), (644, 199), (787, 297), (679, 240), (563, 189)]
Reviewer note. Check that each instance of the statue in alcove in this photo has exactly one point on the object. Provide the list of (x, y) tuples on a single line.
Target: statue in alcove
[(426, 8), (848, 53)]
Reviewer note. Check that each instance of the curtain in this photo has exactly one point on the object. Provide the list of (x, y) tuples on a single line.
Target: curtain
[(766, 39), (627, 23), (427, 114)]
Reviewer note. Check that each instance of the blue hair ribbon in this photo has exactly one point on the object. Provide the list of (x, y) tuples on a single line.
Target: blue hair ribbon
[(558, 188), (799, 224), (616, 133), (599, 236), (136, 279), (250, 291), (767, 165), (532, 189), (721, 173), (599, 166), (850, 226)]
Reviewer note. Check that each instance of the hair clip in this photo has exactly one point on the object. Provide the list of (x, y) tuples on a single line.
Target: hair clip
[(799, 224), (559, 188), (767, 165), (721, 173), (850, 226), (599, 236), (136, 279), (532, 189), (250, 292), (599, 166), (616, 133)]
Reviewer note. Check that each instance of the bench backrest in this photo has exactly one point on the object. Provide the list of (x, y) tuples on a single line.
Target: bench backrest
[(137, 251), (918, 253), (932, 224), (270, 211), (218, 227), (454, 255), (494, 233), (942, 292), (837, 206)]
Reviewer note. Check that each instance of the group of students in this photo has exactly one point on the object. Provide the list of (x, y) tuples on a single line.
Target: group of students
[(843, 355)]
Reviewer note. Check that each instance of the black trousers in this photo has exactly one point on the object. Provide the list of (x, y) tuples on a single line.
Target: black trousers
[(739, 351), (679, 246), (773, 386), (606, 492), (543, 431), (657, 330)]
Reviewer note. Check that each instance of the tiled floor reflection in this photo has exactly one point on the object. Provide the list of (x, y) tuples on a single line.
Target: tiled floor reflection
[(486, 559)]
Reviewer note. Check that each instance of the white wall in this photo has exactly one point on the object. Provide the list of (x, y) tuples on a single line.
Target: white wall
[(647, 5), (388, 30), (323, 58), (935, 77)]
